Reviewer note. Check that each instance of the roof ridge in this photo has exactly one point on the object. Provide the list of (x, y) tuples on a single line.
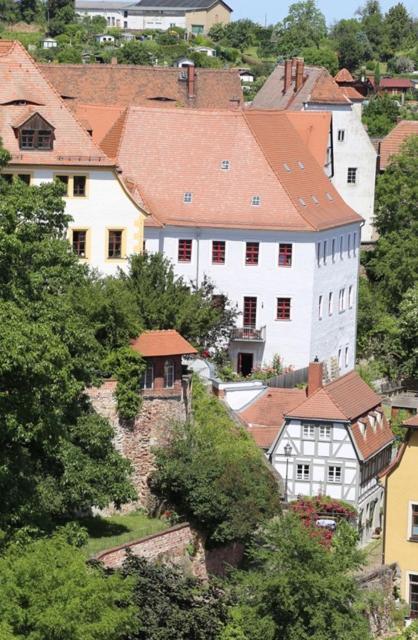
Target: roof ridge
[(60, 100), (134, 67)]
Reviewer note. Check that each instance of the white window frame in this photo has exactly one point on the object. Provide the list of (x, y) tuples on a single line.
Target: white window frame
[(352, 175), (188, 197), (325, 432), (330, 303), (332, 477), (305, 473), (256, 201), (350, 296), (341, 300), (320, 307), (225, 165), (308, 431)]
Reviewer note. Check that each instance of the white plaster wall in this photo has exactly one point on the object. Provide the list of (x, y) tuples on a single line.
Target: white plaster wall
[(107, 206), (355, 151), (337, 331), (155, 21), (296, 340), (116, 16)]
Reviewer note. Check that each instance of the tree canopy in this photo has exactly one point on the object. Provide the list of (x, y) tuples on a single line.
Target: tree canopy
[(213, 474)]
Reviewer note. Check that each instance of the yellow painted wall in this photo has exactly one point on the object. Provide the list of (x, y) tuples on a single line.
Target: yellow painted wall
[(402, 490), (216, 14)]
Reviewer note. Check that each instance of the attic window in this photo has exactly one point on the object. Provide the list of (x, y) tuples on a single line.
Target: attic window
[(329, 196), (302, 202), (225, 165), (301, 165), (256, 201), (36, 133), (188, 197), (315, 200), (286, 166)]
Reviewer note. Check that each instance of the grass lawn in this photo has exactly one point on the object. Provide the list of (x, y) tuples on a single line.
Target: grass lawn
[(105, 533)]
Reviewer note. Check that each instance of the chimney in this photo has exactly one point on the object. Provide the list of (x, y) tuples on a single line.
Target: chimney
[(314, 377), (287, 75), (191, 78), (113, 60), (300, 66)]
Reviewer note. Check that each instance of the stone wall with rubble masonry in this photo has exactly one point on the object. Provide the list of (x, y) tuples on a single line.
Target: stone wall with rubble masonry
[(135, 440)]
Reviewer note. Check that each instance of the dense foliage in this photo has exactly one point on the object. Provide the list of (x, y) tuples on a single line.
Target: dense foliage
[(173, 605), (56, 454), (380, 115), (298, 589), (214, 475), (47, 591), (388, 334)]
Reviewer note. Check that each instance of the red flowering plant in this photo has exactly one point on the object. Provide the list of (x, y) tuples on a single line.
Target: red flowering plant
[(320, 512)]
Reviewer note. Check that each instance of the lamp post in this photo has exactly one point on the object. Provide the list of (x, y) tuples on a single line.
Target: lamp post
[(287, 453)]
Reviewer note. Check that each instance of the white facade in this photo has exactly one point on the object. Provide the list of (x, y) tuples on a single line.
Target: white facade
[(105, 207), (353, 149), (324, 461), (305, 335), (152, 20), (115, 17)]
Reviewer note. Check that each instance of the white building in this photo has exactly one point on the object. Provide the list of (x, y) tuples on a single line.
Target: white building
[(297, 87), (46, 142), (49, 43), (237, 197), (195, 16), (105, 38), (334, 442)]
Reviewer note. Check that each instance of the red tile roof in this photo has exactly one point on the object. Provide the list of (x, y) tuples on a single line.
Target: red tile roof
[(344, 75), (314, 129), (347, 399), (131, 85), (20, 78), (99, 118), (185, 148), (411, 422), (352, 94), (162, 343), (391, 144), (396, 83), (319, 87), (265, 415)]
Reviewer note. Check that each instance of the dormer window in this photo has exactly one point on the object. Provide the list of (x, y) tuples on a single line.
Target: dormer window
[(187, 198), (225, 165), (256, 201), (35, 133)]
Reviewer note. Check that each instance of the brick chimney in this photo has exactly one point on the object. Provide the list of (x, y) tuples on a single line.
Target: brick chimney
[(191, 81), (287, 75), (300, 67), (314, 377)]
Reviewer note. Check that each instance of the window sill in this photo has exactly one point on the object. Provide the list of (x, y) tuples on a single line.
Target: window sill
[(283, 320), (412, 539)]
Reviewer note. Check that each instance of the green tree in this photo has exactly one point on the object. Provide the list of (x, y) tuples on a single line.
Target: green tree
[(397, 192), (214, 474), (303, 27), (380, 115), (47, 591), (56, 455), (166, 301), (297, 589), (408, 332), (173, 605), (322, 57), (136, 53), (377, 74), (398, 26), (351, 43), (372, 24)]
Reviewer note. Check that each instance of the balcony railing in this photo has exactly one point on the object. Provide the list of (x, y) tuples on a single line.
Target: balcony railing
[(249, 334)]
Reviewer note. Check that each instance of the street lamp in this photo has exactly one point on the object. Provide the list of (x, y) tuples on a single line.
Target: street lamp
[(287, 453)]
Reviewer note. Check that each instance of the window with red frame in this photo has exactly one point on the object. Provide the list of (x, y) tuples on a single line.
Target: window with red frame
[(251, 253), (283, 308), (250, 312), (285, 255), (218, 252), (185, 251)]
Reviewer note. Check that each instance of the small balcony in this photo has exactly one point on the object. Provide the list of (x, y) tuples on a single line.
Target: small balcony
[(248, 334)]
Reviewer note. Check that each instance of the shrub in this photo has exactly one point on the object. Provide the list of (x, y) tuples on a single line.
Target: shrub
[(214, 475)]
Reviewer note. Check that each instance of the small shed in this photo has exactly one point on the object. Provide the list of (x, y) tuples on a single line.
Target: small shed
[(127, 36), (105, 38), (162, 351), (49, 43), (246, 76), (208, 51), (184, 62)]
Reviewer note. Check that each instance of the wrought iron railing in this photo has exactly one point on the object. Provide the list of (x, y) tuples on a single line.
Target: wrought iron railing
[(249, 334)]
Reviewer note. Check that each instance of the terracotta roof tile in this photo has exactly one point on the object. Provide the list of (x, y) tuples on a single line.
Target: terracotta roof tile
[(162, 343), (185, 149), (318, 406), (318, 87), (374, 438), (5, 46), (344, 75), (100, 119), (353, 395), (19, 75), (411, 422), (131, 85), (396, 83), (314, 129), (352, 94), (265, 415), (391, 145)]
